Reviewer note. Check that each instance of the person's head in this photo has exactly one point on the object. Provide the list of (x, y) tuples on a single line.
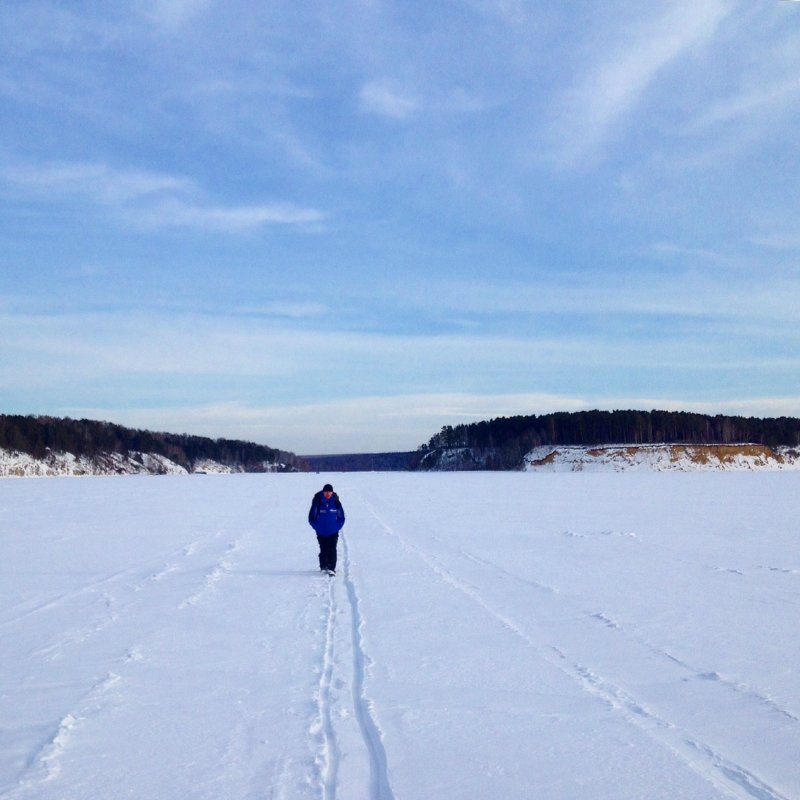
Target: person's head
[(327, 490)]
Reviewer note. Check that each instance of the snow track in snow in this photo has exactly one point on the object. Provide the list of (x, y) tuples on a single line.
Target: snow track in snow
[(692, 672), (221, 569), (54, 602), (724, 773), (727, 775), (44, 765), (344, 726), (380, 788), (326, 761)]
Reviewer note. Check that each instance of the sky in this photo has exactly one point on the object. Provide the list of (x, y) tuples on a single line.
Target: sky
[(338, 226)]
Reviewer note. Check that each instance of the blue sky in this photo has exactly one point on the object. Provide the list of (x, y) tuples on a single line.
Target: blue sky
[(338, 226)]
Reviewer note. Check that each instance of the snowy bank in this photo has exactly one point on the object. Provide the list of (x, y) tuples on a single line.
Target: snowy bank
[(662, 458), (14, 464)]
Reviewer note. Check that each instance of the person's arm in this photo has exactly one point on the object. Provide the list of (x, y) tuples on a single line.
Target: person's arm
[(313, 512)]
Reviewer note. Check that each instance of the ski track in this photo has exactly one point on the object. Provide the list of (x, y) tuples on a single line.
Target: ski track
[(77, 636), (501, 570), (109, 604), (727, 776), (112, 598), (693, 672), (323, 730), (380, 788), (172, 565), (326, 761), (221, 570), (44, 764), (65, 597)]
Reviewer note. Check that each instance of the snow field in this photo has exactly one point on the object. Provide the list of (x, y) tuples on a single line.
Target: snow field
[(487, 634)]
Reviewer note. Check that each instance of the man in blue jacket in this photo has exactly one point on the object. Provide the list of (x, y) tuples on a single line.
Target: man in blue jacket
[(326, 517)]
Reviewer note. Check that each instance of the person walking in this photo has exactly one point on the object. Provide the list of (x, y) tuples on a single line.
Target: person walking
[(326, 517)]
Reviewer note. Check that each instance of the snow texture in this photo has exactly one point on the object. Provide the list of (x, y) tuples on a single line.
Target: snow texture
[(513, 635)]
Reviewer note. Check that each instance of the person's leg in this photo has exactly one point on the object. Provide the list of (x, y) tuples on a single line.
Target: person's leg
[(322, 556), (332, 551), (327, 551)]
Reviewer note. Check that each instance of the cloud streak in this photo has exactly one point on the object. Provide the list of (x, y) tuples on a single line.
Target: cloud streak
[(95, 181), (152, 199), (175, 213), (87, 351), (386, 99), (172, 14), (612, 85)]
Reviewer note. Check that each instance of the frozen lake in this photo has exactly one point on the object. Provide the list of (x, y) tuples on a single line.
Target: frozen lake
[(489, 635)]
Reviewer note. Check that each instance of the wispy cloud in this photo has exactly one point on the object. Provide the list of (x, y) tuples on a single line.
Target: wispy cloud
[(298, 311), (766, 99), (90, 348), (698, 284), (787, 239), (152, 199), (612, 84), (176, 213), (96, 181), (512, 12), (391, 392), (387, 99), (172, 14)]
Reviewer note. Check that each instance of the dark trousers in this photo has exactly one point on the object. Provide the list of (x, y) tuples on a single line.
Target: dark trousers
[(327, 551)]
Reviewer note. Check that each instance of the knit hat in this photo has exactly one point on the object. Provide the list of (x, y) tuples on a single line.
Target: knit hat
[(327, 488)]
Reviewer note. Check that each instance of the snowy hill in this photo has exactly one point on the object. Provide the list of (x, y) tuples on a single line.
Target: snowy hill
[(43, 446), (661, 458), (488, 635), (623, 457), (14, 464), (506, 442)]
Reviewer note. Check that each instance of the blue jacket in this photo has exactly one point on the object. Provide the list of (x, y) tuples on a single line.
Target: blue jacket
[(326, 517)]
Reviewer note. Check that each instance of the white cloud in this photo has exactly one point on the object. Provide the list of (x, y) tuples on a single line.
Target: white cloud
[(171, 14), (234, 219), (767, 100), (152, 199), (700, 284), (286, 309), (96, 181), (90, 352), (386, 99), (378, 392), (512, 12), (779, 240), (615, 81)]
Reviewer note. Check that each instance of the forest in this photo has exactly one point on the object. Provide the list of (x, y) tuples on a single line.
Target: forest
[(503, 442), (38, 435)]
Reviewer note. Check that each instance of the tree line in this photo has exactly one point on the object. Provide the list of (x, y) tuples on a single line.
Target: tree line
[(39, 435), (504, 441)]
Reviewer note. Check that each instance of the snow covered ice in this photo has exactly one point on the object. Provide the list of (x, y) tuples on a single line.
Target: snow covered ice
[(488, 635)]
